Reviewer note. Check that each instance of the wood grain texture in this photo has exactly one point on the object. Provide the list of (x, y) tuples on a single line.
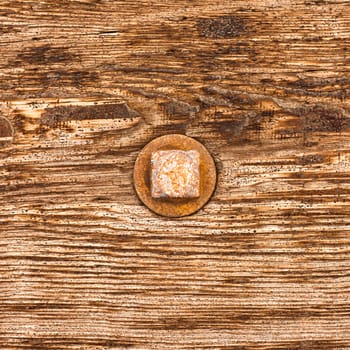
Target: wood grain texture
[(265, 85)]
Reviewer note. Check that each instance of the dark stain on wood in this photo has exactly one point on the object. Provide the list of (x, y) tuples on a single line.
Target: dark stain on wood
[(231, 129), (316, 82), (312, 159), (4, 29), (45, 54), (220, 27), (233, 98), (323, 118), (179, 108), (64, 79), (19, 122), (316, 2), (55, 116)]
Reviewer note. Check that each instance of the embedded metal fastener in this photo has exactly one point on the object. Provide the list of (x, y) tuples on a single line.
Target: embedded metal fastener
[(174, 175)]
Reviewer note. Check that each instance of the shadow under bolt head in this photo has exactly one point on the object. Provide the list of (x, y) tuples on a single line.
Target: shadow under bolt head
[(174, 175)]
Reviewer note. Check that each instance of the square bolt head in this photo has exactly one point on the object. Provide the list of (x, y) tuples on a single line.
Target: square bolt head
[(175, 174)]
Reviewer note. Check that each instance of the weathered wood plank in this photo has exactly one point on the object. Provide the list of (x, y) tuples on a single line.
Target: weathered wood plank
[(264, 85)]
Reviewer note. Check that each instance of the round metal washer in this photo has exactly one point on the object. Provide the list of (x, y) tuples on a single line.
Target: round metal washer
[(174, 207)]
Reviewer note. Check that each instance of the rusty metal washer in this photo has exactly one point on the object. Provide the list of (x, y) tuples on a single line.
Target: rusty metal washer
[(174, 206)]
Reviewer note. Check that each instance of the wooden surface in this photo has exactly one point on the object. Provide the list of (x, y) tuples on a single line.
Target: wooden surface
[(265, 85)]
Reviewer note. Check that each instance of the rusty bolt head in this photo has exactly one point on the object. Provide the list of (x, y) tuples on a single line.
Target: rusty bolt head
[(174, 175)]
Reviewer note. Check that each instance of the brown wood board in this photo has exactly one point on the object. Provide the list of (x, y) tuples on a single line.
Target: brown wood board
[(264, 85)]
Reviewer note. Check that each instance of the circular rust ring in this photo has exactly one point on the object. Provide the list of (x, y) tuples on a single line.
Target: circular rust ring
[(174, 207)]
